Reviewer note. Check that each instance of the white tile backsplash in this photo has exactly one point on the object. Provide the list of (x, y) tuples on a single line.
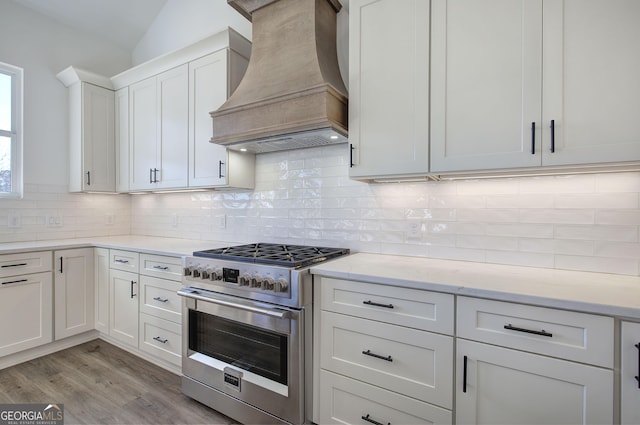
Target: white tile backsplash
[(580, 222), (585, 222)]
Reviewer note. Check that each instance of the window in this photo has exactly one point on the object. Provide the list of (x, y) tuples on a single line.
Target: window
[(10, 131)]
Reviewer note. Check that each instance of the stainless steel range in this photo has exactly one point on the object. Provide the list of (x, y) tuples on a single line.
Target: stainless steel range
[(247, 340)]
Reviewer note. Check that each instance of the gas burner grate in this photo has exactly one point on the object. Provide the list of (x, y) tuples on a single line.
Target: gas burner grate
[(295, 256)]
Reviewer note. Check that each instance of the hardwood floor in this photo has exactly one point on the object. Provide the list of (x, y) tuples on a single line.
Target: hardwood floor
[(99, 383)]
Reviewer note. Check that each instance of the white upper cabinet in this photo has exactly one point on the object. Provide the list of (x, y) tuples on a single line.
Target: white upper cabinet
[(211, 81), (164, 139), (389, 88), (534, 83), (486, 83), (92, 154), (158, 108), (591, 88)]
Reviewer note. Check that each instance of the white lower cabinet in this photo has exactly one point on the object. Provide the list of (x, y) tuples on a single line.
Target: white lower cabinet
[(123, 299), (74, 297), (381, 359), (161, 338), (26, 310), (349, 401), (630, 373), (532, 365), (101, 270), (497, 385)]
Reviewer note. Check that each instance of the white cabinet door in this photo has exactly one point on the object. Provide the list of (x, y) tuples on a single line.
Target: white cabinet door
[(101, 266), (497, 385), (207, 90), (173, 131), (630, 373), (389, 88), (92, 156), (74, 292), (123, 320), (485, 84), (143, 134), (591, 88), (122, 139), (26, 311)]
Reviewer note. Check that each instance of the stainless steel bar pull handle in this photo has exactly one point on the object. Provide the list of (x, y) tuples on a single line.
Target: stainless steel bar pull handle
[(273, 313), (88, 178), (150, 175), (162, 300), (528, 331), (464, 374), (161, 267), (132, 294), (160, 339), (117, 260), (351, 148), (220, 164), (61, 264)]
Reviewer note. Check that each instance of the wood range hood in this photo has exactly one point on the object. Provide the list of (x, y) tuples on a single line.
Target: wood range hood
[(292, 95)]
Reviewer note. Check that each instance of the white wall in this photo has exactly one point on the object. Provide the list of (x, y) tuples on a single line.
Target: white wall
[(43, 48), (181, 23)]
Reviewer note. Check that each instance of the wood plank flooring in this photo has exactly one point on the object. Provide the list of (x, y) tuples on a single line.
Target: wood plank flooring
[(99, 383)]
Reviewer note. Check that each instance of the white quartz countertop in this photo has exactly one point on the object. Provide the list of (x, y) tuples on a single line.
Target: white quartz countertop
[(145, 244), (600, 293)]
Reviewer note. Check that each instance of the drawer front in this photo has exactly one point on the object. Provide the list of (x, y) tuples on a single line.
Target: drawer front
[(161, 338), (415, 363), (346, 401), (124, 260), (429, 311), (25, 263), (159, 297), (581, 337), (161, 266)]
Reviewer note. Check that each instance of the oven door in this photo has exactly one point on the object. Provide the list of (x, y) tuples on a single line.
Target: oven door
[(248, 350)]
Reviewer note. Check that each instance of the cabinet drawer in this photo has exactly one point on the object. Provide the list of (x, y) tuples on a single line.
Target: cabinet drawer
[(430, 311), (347, 401), (161, 338), (415, 363), (161, 266), (159, 297), (124, 260), (25, 263), (581, 337)]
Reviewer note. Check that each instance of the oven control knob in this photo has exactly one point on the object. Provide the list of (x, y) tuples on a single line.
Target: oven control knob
[(216, 275), (197, 272), (244, 280), (256, 281), (281, 285), (206, 274), (187, 271), (269, 284)]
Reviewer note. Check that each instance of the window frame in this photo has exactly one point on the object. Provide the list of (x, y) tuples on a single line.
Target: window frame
[(15, 133)]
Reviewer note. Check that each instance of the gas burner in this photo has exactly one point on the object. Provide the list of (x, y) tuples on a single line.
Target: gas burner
[(294, 256)]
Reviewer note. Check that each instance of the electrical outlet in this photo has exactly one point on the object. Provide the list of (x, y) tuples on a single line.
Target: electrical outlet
[(174, 220), (53, 220), (109, 219), (222, 222), (413, 229), (14, 220)]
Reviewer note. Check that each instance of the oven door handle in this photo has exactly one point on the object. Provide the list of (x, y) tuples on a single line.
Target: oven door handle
[(279, 314)]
